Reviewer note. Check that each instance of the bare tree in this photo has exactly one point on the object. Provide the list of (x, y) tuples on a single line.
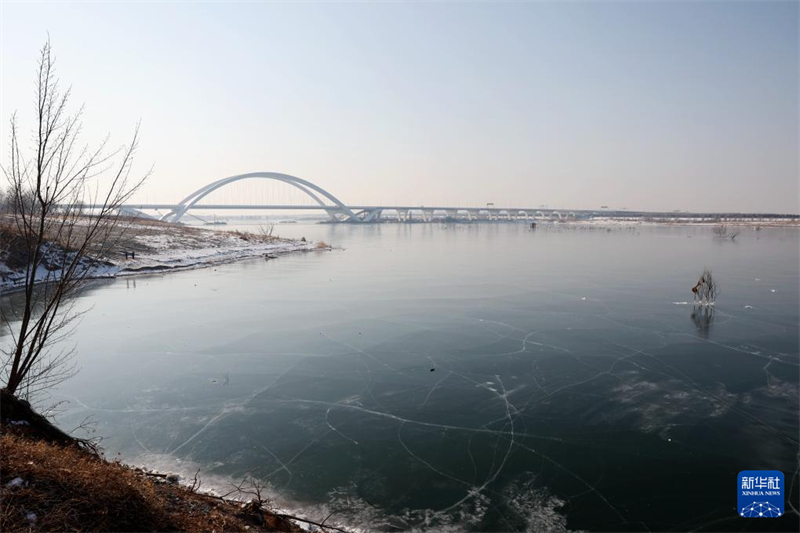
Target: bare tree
[(721, 231), (706, 290), (61, 242), (266, 230)]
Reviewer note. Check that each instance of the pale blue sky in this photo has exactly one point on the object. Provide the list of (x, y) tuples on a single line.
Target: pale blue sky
[(671, 105)]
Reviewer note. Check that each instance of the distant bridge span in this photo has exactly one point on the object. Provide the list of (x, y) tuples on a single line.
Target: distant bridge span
[(336, 209), (307, 187)]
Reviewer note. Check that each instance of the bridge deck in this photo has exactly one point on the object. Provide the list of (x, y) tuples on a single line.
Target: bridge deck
[(352, 207)]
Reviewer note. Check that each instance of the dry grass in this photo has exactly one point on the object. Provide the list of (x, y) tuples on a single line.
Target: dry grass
[(69, 489), (122, 235), (262, 237), (12, 246)]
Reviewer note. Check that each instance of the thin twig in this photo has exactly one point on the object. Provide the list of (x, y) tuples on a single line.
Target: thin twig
[(290, 517)]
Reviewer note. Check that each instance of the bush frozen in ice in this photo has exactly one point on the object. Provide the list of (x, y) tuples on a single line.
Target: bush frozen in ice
[(706, 289)]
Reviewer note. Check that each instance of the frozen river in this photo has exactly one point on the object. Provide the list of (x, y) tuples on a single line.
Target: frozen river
[(482, 377)]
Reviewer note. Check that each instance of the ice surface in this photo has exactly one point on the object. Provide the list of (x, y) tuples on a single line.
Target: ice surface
[(545, 411)]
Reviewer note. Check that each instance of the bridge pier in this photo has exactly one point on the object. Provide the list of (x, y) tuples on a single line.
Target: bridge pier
[(373, 215), (332, 213)]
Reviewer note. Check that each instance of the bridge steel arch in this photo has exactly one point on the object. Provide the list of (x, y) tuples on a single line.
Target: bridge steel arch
[(313, 191)]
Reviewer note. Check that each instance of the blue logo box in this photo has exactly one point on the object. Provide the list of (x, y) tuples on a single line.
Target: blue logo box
[(760, 494)]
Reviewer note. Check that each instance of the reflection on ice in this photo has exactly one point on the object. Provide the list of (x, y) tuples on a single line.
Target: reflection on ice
[(703, 316)]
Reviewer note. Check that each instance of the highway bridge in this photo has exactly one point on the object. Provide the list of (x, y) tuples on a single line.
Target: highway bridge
[(339, 212)]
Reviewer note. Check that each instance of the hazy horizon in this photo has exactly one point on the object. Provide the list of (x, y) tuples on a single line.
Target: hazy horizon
[(651, 106)]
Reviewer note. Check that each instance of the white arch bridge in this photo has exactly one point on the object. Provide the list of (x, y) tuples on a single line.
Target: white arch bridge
[(336, 209)]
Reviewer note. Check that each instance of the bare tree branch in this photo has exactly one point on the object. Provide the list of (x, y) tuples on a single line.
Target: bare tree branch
[(61, 243)]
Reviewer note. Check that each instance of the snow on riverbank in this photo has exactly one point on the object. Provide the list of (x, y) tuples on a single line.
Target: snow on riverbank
[(754, 223), (200, 248), (151, 248)]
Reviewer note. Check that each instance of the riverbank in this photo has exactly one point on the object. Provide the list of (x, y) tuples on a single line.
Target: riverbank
[(733, 222), (146, 247), (50, 487), (743, 223), (52, 481)]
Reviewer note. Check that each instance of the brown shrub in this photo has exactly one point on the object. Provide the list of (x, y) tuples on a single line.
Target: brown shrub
[(71, 490), (12, 243)]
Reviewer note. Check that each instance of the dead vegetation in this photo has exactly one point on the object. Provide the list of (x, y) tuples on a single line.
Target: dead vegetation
[(266, 230), (262, 236), (48, 487), (721, 231), (17, 255), (12, 246), (706, 290)]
